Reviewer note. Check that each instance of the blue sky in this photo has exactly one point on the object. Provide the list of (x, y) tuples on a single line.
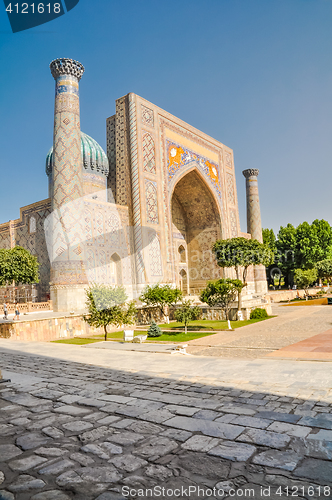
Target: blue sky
[(254, 74)]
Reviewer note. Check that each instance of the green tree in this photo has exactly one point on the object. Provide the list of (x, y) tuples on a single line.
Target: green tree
[(241, 253), (186, 313), (269, 239), (107, 306), (162, 296), (222, 293), (154, 330), (19, 266), (305, 277), (324, 269), (286, 247), (307, 249), (324, 233)]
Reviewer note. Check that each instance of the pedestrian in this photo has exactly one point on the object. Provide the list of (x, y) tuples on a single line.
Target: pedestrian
[(5, 311), (17, 312)]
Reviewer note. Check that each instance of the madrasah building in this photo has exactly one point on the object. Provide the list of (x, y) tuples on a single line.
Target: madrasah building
[(146, 212)]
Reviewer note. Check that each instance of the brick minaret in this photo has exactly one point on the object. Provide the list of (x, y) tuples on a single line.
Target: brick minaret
[(67, 261), (254, 224)]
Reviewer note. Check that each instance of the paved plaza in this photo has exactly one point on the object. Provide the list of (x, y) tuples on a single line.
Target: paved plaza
[(80, 423), (291, 325)]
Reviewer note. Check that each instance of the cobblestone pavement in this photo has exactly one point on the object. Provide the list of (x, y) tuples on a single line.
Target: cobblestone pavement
[(291, 325), (80, 431)]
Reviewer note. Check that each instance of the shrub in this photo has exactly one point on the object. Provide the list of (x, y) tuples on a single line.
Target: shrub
[(186, 313), (258, 313), (154, 330)]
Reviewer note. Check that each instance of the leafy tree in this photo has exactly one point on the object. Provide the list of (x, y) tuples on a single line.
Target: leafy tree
[(269, 239), (154, 330), (222, 293), (186, 313), (241, 253), (107, 306), (324, 234), (305, 277), (324, 269), (307, 250), (302, 247), (19, 266), (286, 246), (162, 296)]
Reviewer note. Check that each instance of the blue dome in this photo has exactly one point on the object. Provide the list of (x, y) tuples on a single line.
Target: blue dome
[(94, 157)]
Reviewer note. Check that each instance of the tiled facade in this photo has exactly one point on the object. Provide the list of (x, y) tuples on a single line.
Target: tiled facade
[(171, 192)]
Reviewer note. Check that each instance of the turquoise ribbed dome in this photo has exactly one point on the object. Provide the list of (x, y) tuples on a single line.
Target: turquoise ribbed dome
[(94, 157)]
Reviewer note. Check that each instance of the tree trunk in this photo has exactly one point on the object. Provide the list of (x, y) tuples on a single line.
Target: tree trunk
[(105, 330), (185, 328), (239, 305)]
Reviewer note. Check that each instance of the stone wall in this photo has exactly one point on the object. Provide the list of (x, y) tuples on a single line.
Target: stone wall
[(281, 295), (45, 330)]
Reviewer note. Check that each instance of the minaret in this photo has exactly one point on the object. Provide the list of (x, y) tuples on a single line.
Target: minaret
[(254, 224), (68, 278)]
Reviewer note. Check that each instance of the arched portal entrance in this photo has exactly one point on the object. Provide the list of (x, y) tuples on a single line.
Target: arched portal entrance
[(196, 226)]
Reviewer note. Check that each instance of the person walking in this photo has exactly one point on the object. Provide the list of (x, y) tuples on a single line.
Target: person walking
[(5, 311), (17, 312)]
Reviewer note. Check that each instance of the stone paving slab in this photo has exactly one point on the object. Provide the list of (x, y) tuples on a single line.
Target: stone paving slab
[(317, 347), (83, 431), (129, 346)]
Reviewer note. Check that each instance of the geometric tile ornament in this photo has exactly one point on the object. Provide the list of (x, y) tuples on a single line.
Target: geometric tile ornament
[(178, 156), (67, 219), (230, 189), (135, 183), (147, 116), (149, 155), (151, 202), (155, 256), (228, 159), (233, 223)]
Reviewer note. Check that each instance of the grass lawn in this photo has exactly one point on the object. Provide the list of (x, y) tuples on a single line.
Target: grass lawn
[(201, 325), (177, 336)]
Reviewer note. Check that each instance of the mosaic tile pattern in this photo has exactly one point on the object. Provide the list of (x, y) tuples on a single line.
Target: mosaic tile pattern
[(230, 189), (32, 225), (228, 159), (123, 193), (111, 154), (151, 202), (135, 190), (147, 116), (179, 156), (233, 223), (149, 154), (155, 256), (65, 227)]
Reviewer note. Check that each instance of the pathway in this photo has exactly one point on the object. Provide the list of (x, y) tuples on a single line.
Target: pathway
[(83, 424), (290, 326)]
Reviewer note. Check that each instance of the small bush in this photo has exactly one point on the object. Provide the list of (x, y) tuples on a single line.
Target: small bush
[(154, 330), (258, 313)]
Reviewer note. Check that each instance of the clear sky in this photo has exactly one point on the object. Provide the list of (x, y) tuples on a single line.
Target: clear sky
[(254, 74)]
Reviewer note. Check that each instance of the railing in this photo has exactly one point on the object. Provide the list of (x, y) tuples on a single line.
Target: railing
[(31, 307)]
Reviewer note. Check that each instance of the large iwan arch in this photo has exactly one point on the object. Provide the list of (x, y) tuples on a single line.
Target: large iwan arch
[(196, 221)]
